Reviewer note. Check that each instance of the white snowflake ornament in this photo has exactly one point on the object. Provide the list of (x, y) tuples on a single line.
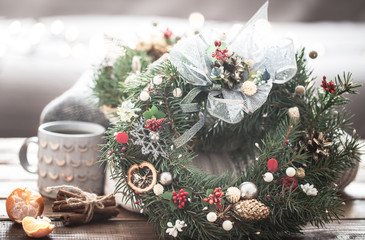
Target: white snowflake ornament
[(310, 190), (156, 146), (174, 230)]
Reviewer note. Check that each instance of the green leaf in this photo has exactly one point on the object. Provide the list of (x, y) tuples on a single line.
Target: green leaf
[(209, 191), (147, 115), (210, 49), (173, 206), (166, 195), (223, 46), (160, 114), (154, 110)]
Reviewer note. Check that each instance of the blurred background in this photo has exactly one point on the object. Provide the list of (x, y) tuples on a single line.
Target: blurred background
[(45, 46)]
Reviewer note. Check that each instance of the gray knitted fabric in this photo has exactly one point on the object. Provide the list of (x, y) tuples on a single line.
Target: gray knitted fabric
[(77, 103)]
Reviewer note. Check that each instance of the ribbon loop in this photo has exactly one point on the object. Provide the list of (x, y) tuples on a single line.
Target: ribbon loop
[(250, 44)]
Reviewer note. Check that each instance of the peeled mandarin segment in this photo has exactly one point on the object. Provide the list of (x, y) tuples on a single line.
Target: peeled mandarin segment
[(37, 228), (22, 203)]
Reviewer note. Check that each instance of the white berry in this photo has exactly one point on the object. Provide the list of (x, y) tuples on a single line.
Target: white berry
[(157, 80), (290, 172), (227, 225), (158, 189), (177, 92), (268, 177), (212, 217), (144, 96)]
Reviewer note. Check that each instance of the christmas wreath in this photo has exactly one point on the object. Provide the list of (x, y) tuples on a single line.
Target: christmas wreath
[(211, 93)]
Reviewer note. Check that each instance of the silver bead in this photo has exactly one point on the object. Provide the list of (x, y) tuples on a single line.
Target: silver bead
[(166, 178), (248, 190)]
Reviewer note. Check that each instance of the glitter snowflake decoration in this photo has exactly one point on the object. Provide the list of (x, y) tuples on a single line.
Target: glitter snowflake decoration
[(142, 137)]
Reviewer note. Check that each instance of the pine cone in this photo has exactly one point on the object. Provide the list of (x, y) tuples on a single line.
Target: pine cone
[(251, 210), (316, 143), (234, 69)]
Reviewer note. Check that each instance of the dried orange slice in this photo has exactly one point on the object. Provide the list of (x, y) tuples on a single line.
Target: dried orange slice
[(22, 203), (37, 228), (142, 177)]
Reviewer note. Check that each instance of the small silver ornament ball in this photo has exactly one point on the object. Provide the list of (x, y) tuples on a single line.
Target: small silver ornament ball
[(166, 178), (211, 217), (248, 190)]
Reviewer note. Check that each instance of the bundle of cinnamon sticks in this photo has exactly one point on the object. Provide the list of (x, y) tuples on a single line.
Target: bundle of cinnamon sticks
[(76, 211)]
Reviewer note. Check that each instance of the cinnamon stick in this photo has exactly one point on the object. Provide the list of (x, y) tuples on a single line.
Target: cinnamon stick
[(62, 206), (63, 194), (72, 219)]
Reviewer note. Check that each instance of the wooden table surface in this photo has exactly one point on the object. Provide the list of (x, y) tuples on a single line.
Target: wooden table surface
[(129, 225)]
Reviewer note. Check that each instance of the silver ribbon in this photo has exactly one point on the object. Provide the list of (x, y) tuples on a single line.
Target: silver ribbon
[(230, 105)]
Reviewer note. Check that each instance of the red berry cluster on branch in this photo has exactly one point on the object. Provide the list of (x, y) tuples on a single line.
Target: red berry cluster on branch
[(328, 86), (215, 198), (220, 54), (180, 197), (154, 124)]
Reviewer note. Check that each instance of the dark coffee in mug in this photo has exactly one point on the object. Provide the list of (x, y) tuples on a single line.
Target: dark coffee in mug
[(71, 132)]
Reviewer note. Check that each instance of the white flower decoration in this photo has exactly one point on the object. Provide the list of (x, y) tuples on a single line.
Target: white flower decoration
[(173, 230), (249, 88), (310, 190), (127, 111)]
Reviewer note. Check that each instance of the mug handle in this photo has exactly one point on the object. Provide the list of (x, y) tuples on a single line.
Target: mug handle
[(23, 155)]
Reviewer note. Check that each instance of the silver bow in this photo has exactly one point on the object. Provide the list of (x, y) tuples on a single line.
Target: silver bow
[(230, 105)]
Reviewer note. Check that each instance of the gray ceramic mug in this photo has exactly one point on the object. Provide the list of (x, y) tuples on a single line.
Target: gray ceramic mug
[(67, 155)]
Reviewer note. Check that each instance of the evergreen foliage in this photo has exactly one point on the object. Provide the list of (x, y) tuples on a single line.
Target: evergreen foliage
[(276, 134)]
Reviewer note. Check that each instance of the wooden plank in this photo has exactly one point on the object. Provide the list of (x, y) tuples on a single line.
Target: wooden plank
[(9, 149), (345, 229), (110, 230), (7, 187), (16, 172)]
